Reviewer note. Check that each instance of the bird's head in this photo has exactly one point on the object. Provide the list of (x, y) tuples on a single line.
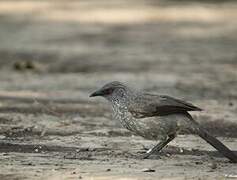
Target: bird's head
[(113, 91)]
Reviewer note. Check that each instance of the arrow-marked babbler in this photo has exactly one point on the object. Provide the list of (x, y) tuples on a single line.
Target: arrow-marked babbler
[(156, 117)]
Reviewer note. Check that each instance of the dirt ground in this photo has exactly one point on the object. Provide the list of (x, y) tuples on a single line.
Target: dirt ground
[(53, 54)]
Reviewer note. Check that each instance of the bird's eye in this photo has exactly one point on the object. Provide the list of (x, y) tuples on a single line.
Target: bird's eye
[(108, 91)]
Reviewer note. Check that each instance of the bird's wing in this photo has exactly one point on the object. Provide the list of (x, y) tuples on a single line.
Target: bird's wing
[(147, 105)]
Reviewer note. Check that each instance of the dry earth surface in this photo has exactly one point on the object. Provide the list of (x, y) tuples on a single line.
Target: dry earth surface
[(54, 53)]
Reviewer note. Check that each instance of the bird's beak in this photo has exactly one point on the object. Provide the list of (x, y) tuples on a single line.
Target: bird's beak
[(96, 93)]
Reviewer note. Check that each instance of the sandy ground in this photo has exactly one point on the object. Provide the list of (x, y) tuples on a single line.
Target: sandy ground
[(53, 54)]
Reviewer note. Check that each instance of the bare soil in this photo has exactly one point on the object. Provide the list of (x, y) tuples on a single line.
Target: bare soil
[(53, 54)]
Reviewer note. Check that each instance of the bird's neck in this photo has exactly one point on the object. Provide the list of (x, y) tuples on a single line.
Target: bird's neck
[(119, 103)]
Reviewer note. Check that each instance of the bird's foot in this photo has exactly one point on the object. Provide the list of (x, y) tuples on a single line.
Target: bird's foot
[(145, 156), (148, 154), (142, 154)]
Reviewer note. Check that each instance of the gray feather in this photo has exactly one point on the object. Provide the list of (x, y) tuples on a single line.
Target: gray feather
[(147, 105)]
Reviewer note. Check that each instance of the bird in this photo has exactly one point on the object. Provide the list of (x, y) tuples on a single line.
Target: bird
[(156, 117)]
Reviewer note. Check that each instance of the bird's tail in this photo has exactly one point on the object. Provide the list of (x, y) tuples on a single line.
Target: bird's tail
[(225, 151)]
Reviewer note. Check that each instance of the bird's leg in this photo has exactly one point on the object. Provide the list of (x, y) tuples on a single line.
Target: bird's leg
[(158, 147)]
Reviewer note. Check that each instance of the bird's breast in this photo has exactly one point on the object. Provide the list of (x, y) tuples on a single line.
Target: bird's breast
[(122, 114), (156, 128)]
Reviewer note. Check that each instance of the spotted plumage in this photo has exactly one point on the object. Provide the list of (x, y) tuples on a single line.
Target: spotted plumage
[(155, 117)]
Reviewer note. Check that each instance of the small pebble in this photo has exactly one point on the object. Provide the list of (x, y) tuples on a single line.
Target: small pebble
[(231, 176), (148, 170), (213, 165), (29, 65), (198, 162)]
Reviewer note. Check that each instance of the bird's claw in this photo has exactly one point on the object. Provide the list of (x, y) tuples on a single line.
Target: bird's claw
[(147, 156)]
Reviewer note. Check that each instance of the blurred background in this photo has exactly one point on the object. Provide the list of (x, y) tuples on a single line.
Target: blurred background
[(186, 44), (56, 52)]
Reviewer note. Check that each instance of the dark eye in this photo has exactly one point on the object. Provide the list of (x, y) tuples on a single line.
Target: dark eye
[(109, 91)]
